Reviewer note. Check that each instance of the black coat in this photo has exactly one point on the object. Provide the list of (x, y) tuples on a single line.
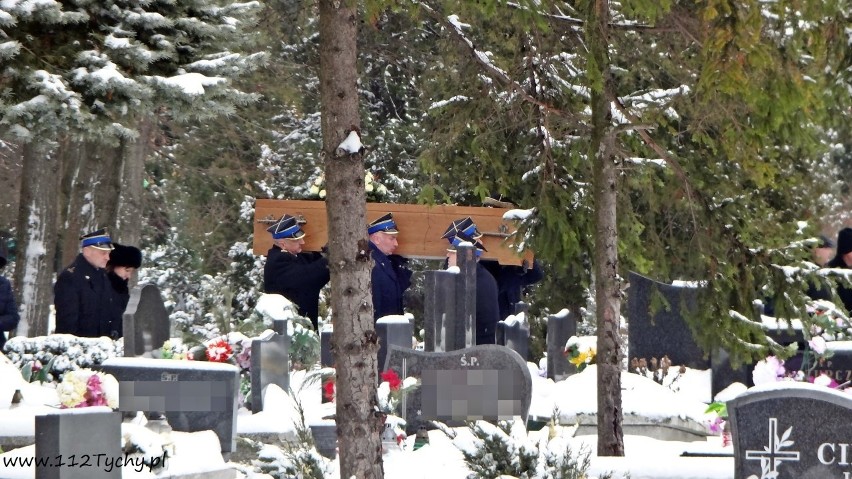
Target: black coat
[(297, 277), (844, 292), (390, 279), (8, 311), (511, 280), (487, 307), (120, 298), (84, 302)]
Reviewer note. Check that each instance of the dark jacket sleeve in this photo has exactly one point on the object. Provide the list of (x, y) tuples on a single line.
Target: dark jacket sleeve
[(8, 310), (285, 272), (66, 299)]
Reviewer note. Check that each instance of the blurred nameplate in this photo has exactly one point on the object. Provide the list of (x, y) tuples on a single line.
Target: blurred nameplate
[(420, 227)]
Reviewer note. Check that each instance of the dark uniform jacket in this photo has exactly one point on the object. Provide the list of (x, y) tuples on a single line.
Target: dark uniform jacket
[(84, 302), (8, 311), (843, 291), (487, 309), (511, 280), (390, 279), (297, 277)]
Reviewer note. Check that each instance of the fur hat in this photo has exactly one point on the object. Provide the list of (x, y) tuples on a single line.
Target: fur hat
[(844, 241), (127, 256)]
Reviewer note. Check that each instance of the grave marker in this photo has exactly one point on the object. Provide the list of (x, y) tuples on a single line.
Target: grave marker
[(481, 382), (193, 395), (145, 322), (450, 305), (560, 328), (270, 363), (794, 431), (81, 441), (393, 330)]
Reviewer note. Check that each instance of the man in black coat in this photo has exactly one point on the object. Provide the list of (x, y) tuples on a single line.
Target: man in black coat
[(291, 273), (82, 293), (511, 280), (843, 260), (8, 310), (390, 276)]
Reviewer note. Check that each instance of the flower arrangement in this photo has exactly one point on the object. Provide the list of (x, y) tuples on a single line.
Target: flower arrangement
[(219, 351), (375, 190), (391, 390), (84, 388), (578, 355)]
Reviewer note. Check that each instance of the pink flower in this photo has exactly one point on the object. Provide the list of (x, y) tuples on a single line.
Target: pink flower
[(767, 371), (823, 380), (95, 395), (718, 425), (817, 343)]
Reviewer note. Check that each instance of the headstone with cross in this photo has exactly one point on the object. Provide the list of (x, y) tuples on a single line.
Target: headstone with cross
[(793, 430)]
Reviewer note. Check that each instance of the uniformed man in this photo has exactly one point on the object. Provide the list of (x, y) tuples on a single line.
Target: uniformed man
[(82, 293), (296, 275), (390, 276)]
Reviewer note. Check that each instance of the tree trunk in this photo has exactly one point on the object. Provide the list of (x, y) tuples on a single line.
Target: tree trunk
[(607, 287), (128, 228), (354, 340), (37, 225)]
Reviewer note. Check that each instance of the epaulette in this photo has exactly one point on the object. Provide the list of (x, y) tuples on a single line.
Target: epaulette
[(70, 269)]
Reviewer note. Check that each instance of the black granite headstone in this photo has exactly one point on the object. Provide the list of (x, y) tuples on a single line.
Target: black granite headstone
[(482, 382), (270, 364), (77, 443), (515, 335), (560, 328), (145, 322), (791, 430), (325, 438), (193, 395), (396, 330), (450, 305), (326, 355), (664, 332)]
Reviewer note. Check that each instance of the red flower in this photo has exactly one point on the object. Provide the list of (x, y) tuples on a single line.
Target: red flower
[(219, 351), (392, 379), (328, 390)]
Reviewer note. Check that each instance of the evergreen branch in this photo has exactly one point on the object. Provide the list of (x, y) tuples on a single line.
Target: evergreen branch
[(580, 24), (491, 69)]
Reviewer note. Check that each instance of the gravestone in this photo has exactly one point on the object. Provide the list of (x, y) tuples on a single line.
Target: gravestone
[(560, 328), (481, 382), (77, 443), (791, 431), (145, 322), (193, 395), (515, 335), (664, 332), (395, 330), (270, 363), (450, 305), (326, 355), (325, 438)]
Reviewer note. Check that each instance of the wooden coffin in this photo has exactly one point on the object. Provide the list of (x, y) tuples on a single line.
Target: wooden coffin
[(420, 227)]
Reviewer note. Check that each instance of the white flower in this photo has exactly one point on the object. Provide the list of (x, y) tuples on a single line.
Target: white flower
[(822, 380), (368, 178), (381, 189), (768, 370), (322, 194), (319, 181), (314, 189), (369, 187)]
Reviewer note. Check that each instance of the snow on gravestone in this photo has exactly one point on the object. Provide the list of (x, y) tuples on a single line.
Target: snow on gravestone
[(193, 395), (82, 443), (791, 430), (145, 322), (488, 382), (270, 363)]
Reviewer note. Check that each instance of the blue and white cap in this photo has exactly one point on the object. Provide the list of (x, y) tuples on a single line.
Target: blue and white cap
[(97, 239), (385, 224), (286, 228), (460, 238), (464, 226)]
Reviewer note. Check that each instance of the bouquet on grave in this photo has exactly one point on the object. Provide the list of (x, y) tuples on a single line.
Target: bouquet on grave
[(375, 190), (84, 388), (392, 388), (577, 355)]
